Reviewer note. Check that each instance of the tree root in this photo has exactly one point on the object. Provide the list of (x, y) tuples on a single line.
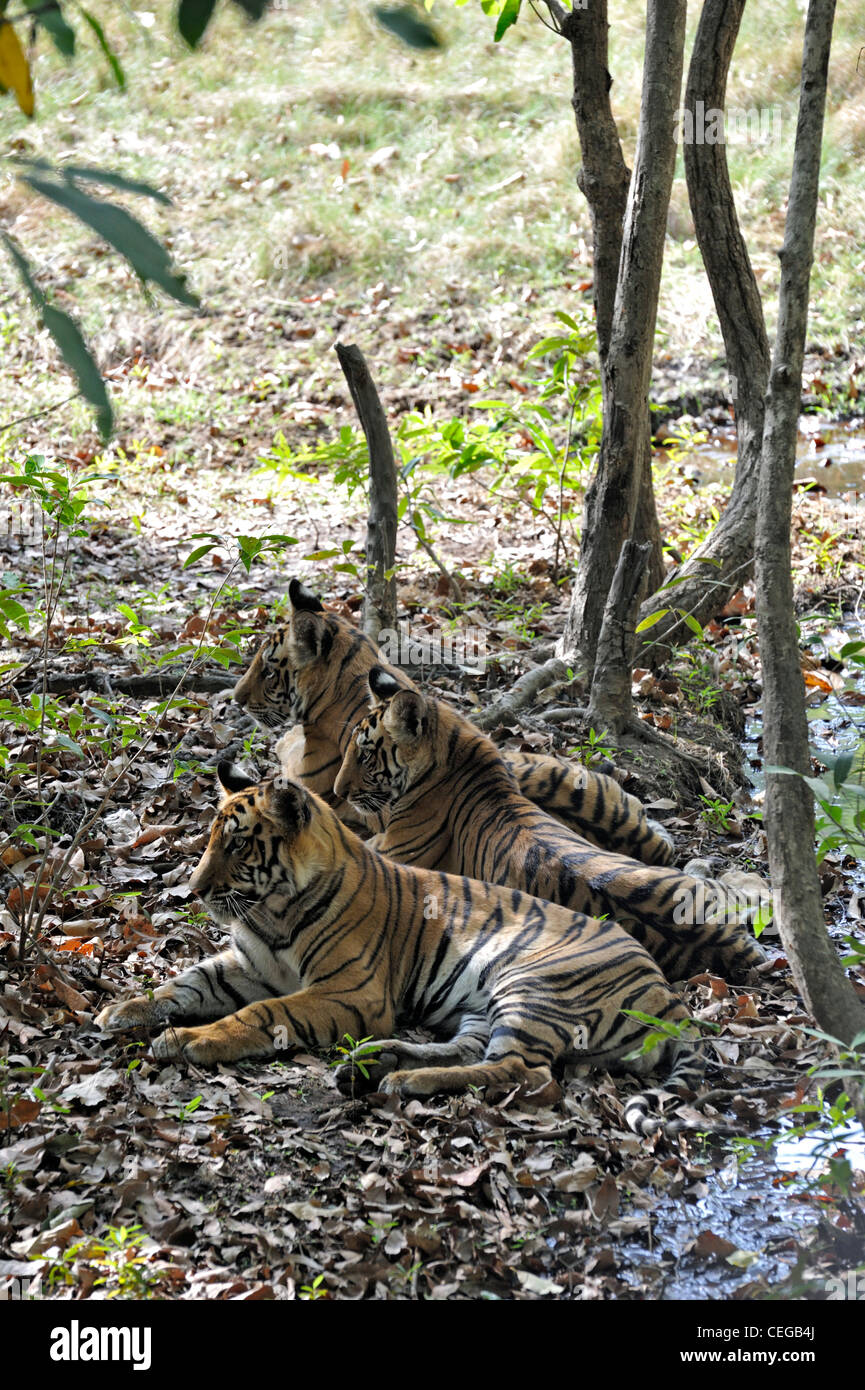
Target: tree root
[(144, 686), (522, 693)]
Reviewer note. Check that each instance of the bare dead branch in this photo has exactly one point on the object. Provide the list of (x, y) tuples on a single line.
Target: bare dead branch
[(379, 605)]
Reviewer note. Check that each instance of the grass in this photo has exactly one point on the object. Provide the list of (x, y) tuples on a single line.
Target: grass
[(296, 225)]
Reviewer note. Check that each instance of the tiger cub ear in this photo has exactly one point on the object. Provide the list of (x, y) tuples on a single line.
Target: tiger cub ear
[(303, 600), (288, 804), (310, 635), (233, 779), (405, 717), (382, 684)]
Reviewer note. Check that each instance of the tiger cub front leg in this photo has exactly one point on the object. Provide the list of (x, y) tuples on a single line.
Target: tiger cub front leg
[(309, 1018), (208, 990)]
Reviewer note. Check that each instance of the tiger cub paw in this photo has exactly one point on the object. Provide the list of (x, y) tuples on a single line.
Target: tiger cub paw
[(202, 1045), (664, 847), (139, 1012)]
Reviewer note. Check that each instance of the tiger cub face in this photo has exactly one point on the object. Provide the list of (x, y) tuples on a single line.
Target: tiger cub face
[(287, 671), (391, 750), (261, 852)]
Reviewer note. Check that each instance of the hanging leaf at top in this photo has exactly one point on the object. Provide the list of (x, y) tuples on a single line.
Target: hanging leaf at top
[(70, 172), (193, 17), (510, 13), (253, 8), (14, 68), (120, 229), (113, 60), (50, 17), (70, 343), (407, 25)]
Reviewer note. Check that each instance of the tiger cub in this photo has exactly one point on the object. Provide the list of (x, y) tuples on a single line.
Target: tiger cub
[(311, 672), (328, 937), (451, 805)]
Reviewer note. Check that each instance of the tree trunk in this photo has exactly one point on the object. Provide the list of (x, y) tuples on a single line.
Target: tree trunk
[(379, 602), (604, 179), (789, 809), (723, 561), (611, 705), (625, 456)]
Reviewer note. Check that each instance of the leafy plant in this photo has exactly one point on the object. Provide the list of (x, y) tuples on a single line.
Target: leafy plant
[(97, 726), (840, 797), (687, 618), (188, 1110), (314, 1291), (379, 1229), (593, 750), (665, 1030), (833, 1122), (716, 812), (122, 1269), (359, 1051), (681, 441), (519, 447)]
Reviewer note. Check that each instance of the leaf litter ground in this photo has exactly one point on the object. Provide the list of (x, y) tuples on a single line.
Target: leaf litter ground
[(260, 1181)]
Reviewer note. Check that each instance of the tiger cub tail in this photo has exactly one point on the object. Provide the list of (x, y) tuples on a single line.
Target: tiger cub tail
[(644, 1111)]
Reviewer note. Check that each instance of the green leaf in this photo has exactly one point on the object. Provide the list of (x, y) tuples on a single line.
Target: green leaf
[(113, 60), (546, 345), (691, 621), (96, 175), (197, 553), (107, 176), (841, 767), (120, 229), (69, 744), (52, 21), (509, 15), (821, 789), (72, 347), (254, 9), (407, 25), (762, 919), (651, 620), (741, 1259), (193, 17), (77, 356)]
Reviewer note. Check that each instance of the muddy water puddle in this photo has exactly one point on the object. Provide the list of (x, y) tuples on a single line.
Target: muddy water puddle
[(830, 456), (746, 1221), (737, 1226)]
